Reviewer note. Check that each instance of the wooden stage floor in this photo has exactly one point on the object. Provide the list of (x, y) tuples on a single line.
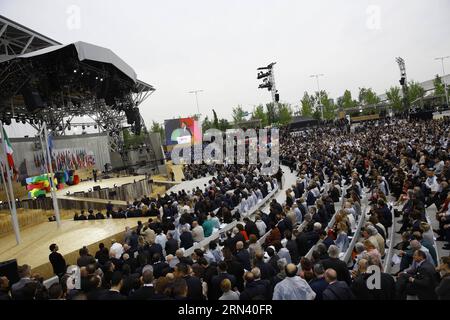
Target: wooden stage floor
[(72, 236)]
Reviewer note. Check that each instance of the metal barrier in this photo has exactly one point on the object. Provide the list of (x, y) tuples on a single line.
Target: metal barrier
[(330, 224), (229, 226), (388, 258), (434, 240), (348, 254), (346, 257)]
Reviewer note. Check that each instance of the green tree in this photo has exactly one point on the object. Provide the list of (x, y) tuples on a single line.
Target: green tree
[(317, 115), (259, 113), (368, 97), (284, 114), (307, 105), (216, 121), (238, 114), (206, 124), (223, 125), (415, 91), (132, 140), (329, 108), (439, 88), (347, 101), (271, 113), (158, 128), (395, 98)]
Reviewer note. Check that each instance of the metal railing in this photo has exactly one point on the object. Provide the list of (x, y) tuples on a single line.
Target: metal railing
[(205, 242), (331, 223), (388, 258), (348, 254)]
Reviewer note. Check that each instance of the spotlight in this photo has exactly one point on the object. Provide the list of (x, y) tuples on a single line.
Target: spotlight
[(74, 70), (101, 79), (96, 78)]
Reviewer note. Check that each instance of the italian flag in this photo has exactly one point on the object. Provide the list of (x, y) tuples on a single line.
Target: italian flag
[(9, 150)]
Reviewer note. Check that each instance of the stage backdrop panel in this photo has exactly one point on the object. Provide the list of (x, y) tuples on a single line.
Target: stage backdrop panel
[(26, 148)]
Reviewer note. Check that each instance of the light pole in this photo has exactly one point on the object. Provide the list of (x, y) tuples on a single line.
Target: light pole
[(318, 88), (443, 76), (196, 99)]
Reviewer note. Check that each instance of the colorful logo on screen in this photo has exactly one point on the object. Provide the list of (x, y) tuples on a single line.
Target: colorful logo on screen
[(40, 185)]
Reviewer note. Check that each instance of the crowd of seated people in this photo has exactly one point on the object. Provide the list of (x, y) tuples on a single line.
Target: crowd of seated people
[(266, 258)]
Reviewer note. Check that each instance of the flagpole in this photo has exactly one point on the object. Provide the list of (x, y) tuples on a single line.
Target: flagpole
[(6, 186), (12, 199), (52, 189)]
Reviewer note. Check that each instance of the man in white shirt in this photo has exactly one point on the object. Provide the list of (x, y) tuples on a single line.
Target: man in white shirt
[(197, 232), (261, 225), (293, 287), (432, 183), (116, 249), (161, 239)]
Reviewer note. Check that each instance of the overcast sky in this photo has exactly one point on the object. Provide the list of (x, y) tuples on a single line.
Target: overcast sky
[(216, 46)]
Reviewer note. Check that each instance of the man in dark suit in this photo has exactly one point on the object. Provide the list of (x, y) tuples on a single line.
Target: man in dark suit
[(243, 256), (154, 248), (85, 258), (215, 292), (57, 260), (99, 216), (91, 215), (171, 244), (195, 289), (267, 271), (333, 262), (386, 291), (250, 227), (336, 290), (116, 285), (254, 290), (146, 291), (318, 284), (82, 216), (159, 268), (421, 281), (94, 283), (235, 268), (186, 240)]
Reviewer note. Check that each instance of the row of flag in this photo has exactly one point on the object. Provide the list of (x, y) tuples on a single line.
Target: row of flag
[(66, 160)]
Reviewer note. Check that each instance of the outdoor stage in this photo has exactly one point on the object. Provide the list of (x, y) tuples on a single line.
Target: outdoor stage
[(104, 183), (72, 235)]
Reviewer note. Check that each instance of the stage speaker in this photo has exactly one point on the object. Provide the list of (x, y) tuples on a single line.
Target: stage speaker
[(96, 188), (32, 98), (131, 115), (9, 270)]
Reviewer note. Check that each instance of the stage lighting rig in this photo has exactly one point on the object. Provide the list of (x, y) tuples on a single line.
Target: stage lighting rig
[(403, 81), (268, 78)]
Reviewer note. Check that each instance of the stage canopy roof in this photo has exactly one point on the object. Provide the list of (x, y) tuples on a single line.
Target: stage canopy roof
[(75, 79), (87, 52)]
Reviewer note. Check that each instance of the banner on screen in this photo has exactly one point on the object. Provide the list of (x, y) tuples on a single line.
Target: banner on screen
[(181, 131)]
